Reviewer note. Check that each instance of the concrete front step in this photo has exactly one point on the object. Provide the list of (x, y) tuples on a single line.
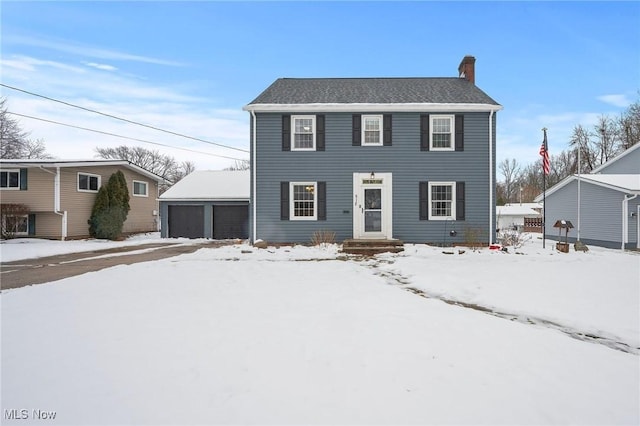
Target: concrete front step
[(371, 247)]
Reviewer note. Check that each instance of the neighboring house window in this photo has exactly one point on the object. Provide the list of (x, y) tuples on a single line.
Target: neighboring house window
[(303, 134), (16, 225), (371, 130), (442, 137), (88, 182), (10, 179), (303, 200), (140, 189)]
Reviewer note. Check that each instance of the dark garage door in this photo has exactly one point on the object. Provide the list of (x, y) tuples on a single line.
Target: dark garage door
[(230, 222), (186, 221)]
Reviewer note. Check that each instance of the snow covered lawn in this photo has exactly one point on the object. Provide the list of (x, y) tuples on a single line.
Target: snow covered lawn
[(277, 336)]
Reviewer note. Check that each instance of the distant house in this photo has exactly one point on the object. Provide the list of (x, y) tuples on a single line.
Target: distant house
[(373, 158), (513, 216), (207, 204), (609, 203), (60, 194)]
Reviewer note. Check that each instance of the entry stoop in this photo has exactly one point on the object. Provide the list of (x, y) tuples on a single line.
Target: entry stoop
[(371, 247)]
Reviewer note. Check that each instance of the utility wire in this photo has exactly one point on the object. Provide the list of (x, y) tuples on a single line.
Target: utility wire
[(122, 119), (123, 137)]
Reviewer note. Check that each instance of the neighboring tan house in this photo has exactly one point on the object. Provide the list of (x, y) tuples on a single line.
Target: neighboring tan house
[(373, 158), (609, 203), (60, 195), (515, 216), (207, 204)]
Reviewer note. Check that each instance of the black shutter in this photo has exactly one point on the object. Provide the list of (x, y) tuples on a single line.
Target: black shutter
[(31, 225), (424, 200), (424, 132), (322, 201), (286, 133), (284, 200), (319, 132), (459, 200), (357, 130), (386, 130), (459, 132), (23, 179)]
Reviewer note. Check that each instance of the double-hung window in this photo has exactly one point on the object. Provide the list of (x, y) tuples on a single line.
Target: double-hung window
[(442, 137), (88, 182), (442, 200), (140, 188), (10, 179), (303, 196), (372, 130), (304, 132)]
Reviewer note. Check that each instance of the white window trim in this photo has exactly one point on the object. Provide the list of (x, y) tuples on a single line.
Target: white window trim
[(11, 188), (293, 132), (26, 216), (453, 201), (452, 118), (90, 175), (362, 127), (292, 201), (146, 186)]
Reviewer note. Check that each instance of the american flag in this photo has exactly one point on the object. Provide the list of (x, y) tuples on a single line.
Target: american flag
[(544, 152)]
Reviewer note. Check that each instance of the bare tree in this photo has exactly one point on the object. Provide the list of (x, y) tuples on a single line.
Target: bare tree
[(511, 172), (581, 138), (15, 142), (152, 160), (606, 139), (628, 125), (239, 165)]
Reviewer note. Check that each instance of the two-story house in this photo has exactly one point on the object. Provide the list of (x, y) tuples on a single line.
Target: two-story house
[(60, 195), (374, 158)]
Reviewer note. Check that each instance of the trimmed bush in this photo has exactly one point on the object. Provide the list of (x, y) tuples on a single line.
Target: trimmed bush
[(110, 209)]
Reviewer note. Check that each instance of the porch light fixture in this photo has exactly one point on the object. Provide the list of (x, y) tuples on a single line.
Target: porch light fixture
[(373, 175)]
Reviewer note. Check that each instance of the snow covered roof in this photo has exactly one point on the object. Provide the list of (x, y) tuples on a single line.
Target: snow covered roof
[(211, 185), (5, 163), (528, 205), (627, 183), (516, 210)]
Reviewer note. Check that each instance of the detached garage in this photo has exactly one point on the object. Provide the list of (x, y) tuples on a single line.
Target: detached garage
[(207, 204)]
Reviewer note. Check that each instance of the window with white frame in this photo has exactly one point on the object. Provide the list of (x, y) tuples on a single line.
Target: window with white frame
[(371, 130), (140, 188), (88, 182), (10, 179), (442, 196), (303, 196), (15, 225), (442, 133), (304, 132)]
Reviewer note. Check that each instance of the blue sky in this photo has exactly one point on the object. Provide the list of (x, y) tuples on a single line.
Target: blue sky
[(189, 67)]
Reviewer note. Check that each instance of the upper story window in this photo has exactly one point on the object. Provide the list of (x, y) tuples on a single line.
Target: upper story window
[(372, 130), (10, 179), (140, 188), (442, 136), (304, 132), (442, 196), (88, 182), (303, 201)]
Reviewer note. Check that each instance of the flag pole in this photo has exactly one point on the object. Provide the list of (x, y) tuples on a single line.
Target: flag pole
[(544, 187)]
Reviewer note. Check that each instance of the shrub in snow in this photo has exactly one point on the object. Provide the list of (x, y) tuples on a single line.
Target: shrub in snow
[(323, 237), (110, 208)]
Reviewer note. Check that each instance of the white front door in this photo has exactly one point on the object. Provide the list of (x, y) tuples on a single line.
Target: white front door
[(372, 205)]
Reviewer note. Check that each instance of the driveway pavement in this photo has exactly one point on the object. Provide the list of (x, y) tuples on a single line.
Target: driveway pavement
[(52, 268)]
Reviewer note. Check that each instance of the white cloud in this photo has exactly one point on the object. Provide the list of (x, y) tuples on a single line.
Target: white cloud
[(103, 67), (621, 101)]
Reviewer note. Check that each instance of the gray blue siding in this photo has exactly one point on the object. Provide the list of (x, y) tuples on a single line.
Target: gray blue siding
[(628, 164), (404, 159), (600, 214)]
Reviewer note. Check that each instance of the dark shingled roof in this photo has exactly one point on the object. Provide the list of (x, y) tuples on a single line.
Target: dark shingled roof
[(445, 90)]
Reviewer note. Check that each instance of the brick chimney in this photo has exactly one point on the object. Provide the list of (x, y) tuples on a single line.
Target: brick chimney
[(467, 69)]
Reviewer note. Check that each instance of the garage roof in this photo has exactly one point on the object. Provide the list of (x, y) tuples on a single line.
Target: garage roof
[(210, 185)]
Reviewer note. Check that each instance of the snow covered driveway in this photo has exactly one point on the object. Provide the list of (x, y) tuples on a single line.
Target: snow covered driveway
[(272, 337)]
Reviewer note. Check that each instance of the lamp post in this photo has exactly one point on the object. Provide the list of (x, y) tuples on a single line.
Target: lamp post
[(579, 149)]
